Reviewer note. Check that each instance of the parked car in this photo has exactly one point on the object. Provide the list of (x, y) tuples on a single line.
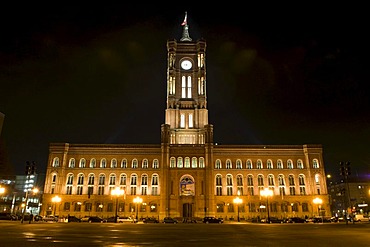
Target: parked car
[(212, 219), (50, 218), (296, 220), (272, 220), (37, 218), (126, 219), (170, 220), (361, 217), (96, 219), (150, 220), (73, 219), (8, 216), (111, 219)]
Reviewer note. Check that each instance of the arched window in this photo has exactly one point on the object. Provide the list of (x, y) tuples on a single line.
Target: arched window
[(102, 179), (218, 185), (187, 162), (155, 164), (70, 179), (113, 163), (103, 163), (228, 164), (133, 184), (145, 164), (218, 164), (290, 164), (93, 163), (72, 163), (249, 164), (259, 164), (82, 163), (55, 162), (302, 186), (229, 184), (124, 163), (69, 184), (300, 164), (112, 179), (270, 179), (281, 180), (172, 162), (134, 164), (179, 162), (315, 163), (260, 180), (269, 164), (201, 162), (280, 164), (123, 180), (80, 180), (91, 179), (239, 164), (144, 184), (194, 163), (155, 185)]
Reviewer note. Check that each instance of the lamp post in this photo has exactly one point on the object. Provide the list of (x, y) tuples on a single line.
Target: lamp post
[(318, 202), (267, 192), (237, 201), (137, 201), (117, 192), (55, 200)]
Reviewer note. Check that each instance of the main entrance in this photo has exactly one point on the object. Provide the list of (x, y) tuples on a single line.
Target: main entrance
[(187, 210)]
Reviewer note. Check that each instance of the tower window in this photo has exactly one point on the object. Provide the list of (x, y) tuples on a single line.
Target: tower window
[(186, 87)]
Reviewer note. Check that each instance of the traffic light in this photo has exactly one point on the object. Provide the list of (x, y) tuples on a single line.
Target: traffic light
[(345, 168), (341, 169)]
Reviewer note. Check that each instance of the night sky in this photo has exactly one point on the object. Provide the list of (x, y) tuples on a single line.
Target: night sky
[(97, 74)]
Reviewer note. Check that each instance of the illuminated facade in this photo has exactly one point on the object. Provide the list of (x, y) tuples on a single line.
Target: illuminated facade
[(187, 174)]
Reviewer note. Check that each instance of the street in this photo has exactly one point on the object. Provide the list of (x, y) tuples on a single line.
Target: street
[(14, 233)]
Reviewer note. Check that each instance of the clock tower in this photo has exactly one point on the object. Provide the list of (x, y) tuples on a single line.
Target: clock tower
[(186, 115)]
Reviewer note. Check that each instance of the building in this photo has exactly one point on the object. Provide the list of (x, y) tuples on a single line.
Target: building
[(186, 175), (353, 194)]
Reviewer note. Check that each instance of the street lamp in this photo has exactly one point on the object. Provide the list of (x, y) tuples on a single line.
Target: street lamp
[(55, 200), (117, 192), (318, 202), (266, 192), (137, 201), (237, 201)]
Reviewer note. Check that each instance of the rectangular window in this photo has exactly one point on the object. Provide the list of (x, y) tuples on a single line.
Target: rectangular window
[(110, 207), (69, 190), (79, 190), (155, 191), (219, 191), (220, 208)]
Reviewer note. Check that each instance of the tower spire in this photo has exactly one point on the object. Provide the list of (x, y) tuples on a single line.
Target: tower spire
[(185, 31)]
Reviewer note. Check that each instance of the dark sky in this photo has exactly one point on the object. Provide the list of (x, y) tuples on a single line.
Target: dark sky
[(97, 74)]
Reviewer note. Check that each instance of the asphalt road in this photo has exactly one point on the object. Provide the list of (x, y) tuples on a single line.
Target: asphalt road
[(227, 234)]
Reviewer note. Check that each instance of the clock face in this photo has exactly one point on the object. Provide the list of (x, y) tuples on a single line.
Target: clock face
[(186, 64)]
